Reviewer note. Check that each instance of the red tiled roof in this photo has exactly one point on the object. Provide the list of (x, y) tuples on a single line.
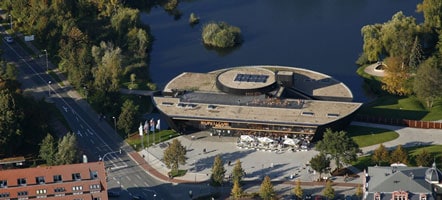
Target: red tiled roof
[(91, 183)]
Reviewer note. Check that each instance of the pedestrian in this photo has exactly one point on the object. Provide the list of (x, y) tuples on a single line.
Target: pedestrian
[(204, 150), (230, 162)]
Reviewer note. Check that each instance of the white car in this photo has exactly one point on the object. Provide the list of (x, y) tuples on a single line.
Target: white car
[(9, 39)]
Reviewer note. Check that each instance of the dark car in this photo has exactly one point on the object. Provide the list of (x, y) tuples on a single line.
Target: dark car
[(8, 39), (113, 194), (136, 197)]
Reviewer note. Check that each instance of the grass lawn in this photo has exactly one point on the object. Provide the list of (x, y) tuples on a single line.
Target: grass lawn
[(135, 139), (367, 136), (396, 107), (435, 150)]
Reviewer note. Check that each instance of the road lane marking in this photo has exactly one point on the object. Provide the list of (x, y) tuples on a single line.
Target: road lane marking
[(92, 141), (138, 176), (128, 178)]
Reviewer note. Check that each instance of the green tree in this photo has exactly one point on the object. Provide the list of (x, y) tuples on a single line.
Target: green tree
[(328, 191), (399, 155), (11, 119), (236, 192), (221, 35), (193, 19), (218, 171), (237, 172), (66, 150), (372, 46), (297, 190), (320, 163), (339, 146), (126, 120), (432, 10), (381, 156), (107, 73), (428, 81), (48, 149), (175, 155), (266, 190), (423, 158)]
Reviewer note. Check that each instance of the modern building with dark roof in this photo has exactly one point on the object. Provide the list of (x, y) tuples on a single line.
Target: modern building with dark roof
[(84, 181), (257, 100), (403, 183)]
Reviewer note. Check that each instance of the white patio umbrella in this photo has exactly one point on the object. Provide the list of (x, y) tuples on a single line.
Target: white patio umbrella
[(247, 138), (265, 140), (291, 142)]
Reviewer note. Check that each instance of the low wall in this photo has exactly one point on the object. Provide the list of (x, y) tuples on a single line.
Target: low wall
[(399, 122)]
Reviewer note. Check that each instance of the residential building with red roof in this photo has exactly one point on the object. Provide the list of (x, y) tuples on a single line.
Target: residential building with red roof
[(83, 181)]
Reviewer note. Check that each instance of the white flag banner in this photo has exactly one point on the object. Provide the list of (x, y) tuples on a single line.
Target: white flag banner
[(140, 130), (158, 124), (146, 127)]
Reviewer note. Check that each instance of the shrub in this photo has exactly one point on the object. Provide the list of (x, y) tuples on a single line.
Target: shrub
[(221, 35), (193, 19)]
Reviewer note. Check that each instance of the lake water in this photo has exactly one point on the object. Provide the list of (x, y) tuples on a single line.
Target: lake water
[(321, 35)]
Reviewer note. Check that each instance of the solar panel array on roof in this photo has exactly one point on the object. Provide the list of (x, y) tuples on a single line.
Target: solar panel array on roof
[(251, 78)]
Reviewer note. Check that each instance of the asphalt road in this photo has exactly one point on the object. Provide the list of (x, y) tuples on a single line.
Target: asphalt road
[(96, 138)]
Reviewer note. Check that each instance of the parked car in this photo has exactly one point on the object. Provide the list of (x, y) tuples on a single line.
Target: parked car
[(9, 39)]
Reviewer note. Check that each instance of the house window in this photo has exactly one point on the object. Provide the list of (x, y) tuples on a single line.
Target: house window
[(423, 197), (40, 179), (41, 191), (3, 183), (4, 195), (94, 186), (59, 189), (76, 176), (94, 174), (58, 179), (77, 188), (96, 198), (22, 193), (21, 181)]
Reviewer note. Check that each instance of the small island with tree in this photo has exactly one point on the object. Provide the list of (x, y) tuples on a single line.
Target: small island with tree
[(221, 35)]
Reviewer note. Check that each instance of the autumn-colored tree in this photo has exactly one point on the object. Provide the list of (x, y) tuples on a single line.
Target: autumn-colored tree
[(266, 190), (381, 156), (423, 158), (328, 191), (399, 155), (359, 191), (218, 171), (175, 155), (397, 77), (236, 192), (297, 190)]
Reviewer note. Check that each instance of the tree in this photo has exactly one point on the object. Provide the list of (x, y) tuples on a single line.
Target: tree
[(399, 155), (372, 46), (423, 158), (297, 190), (381, 155), (339, 146), (266, 190), (48, 150), (66, 150), (397, 77), (432, 10), (359, 191), (107, 73), (328, 191), (237, 172), (320, 163), (428, 81), (126, 120), (175, 155), (218, 171), (221, 35), (11, 118), (236, 192)]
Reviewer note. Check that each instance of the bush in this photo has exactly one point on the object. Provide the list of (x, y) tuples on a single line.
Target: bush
[(193, 19), (221, 35)]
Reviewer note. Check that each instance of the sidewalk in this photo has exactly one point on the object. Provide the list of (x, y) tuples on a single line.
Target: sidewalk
[(283, 168)]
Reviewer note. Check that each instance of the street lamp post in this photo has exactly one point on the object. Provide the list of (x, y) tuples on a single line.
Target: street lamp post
[(115, 124), (47, 64), (49, 88), (10, 21)]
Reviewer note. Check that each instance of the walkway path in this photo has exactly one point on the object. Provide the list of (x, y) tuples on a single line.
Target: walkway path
[(371, 69)]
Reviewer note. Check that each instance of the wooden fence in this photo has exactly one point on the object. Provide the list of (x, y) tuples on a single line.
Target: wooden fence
[(400, 122)]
